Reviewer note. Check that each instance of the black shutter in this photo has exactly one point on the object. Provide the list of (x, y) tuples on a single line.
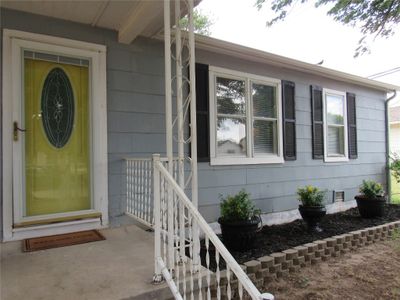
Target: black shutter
[(352, 125), (202, 113), (317, 122), (289, 120)]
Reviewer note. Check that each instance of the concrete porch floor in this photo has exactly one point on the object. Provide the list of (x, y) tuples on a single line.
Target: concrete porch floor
[(121, 267)]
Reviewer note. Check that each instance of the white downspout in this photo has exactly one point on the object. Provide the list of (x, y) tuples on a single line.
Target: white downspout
[(388, 175)]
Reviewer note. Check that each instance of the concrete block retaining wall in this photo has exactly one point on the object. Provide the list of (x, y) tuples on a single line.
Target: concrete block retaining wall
[(276, 265)]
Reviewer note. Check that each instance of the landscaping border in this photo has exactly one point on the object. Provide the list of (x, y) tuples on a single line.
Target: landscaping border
[(276, 265)]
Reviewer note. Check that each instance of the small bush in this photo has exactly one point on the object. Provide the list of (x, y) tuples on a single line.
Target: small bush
[(238, 207), (371, 189), (310, 196), (395, 167)]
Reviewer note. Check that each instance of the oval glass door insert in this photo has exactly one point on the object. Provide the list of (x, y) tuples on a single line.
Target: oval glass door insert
[(57, 108)]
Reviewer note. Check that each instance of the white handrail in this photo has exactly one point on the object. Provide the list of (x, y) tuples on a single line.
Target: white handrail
[(160, 172)]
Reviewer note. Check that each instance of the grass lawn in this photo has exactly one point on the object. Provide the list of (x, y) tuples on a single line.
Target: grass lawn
[(395, 191)]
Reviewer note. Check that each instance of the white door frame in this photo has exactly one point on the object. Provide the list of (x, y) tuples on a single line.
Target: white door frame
[(13, 43)]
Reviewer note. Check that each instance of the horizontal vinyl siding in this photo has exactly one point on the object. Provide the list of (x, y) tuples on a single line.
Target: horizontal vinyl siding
[(273, 187), (136, 123)]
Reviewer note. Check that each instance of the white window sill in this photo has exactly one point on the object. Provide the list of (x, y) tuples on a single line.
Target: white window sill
[(336, 158), (224, 161)]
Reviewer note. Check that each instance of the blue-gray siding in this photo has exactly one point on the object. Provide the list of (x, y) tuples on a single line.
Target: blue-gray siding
[(135, 88)]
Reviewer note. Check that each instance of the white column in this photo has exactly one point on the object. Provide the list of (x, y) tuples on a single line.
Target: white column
[(179, 107), (193, 130), (168, 125)]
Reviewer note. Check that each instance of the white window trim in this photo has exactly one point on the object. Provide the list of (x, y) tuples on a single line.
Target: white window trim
[(324, 107), (250, 158), (13, 43)]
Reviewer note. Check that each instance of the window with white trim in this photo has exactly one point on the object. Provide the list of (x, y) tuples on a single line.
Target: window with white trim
[(335, 126), (245, 118)]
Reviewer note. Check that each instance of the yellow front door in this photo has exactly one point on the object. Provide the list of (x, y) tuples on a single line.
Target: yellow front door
[(57, 138)]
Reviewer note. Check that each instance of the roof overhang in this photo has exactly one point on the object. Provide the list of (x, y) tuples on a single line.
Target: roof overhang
[(250, 54), (130, 18)]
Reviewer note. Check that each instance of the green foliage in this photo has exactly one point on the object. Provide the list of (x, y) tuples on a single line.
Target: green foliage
[(378, 18), (371, 189), (395, 167), (310, 196), (238, 207), (201, 22)]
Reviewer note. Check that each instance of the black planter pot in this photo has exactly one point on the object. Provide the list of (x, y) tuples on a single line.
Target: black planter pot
[(239, 235), (371, 207), (312, 215)]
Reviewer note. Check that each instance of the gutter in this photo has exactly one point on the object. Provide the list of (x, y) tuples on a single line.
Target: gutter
[(387, 133)]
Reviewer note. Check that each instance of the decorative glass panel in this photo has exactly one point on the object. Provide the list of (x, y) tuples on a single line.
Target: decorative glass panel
[(335, 140), (335, 109), (231, 96), (231, 136), (57, 108), (264, 103), (265, 137)]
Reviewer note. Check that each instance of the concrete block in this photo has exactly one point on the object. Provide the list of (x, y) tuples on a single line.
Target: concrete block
[(330, 242), (299, 261), (275, 268), (311, 247), (301, 250), (320, 244), (252, 266), (266, 261), (279, 257), (291, 254), (287, 264)]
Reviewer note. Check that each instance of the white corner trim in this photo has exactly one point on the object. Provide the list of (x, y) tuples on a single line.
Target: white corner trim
[(13, 43)]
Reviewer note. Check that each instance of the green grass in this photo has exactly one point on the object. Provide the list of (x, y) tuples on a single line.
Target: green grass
[(395, 191)]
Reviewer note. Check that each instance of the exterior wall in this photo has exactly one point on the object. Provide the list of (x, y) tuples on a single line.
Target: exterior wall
[(135, 88), (273, 187), (395, 138)]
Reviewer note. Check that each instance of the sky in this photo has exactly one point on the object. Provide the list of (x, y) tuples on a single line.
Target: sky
[(307, 34)]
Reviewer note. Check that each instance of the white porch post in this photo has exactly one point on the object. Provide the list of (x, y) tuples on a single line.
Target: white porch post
[(193, 129), (168, 125), (179, 107)]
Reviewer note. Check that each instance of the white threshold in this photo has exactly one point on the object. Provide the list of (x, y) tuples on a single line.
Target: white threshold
[(54, 229)]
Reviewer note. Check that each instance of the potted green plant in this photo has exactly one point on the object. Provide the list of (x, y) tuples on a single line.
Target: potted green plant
[(371, 201), (240, 221), (312, 208)]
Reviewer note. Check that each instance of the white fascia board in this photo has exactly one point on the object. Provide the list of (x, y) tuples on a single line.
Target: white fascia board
[(251, 54)]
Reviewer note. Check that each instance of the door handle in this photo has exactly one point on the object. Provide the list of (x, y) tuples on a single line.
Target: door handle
[(16, 129)]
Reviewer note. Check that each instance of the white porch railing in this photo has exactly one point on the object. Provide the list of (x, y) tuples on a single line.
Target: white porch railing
[(192, 270), (139, 188)]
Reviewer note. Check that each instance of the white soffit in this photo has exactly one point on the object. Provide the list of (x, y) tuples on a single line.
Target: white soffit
[(130, 18)]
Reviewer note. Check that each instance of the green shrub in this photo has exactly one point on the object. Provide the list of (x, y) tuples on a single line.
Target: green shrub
[(310, 196), (238, 207), (371, 189), (395, 167)]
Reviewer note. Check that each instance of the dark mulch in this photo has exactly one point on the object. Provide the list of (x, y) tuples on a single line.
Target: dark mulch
[(277, 238)]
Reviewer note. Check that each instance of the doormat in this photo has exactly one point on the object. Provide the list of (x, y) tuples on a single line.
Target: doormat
[(61, 240)]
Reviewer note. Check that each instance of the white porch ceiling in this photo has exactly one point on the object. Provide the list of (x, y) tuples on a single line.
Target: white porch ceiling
[(130, 18)]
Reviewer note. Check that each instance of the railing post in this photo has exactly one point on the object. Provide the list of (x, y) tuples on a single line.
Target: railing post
[(157, 278)]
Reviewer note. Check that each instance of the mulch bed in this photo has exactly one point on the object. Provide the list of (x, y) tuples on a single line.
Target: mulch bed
[(277, 238)]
